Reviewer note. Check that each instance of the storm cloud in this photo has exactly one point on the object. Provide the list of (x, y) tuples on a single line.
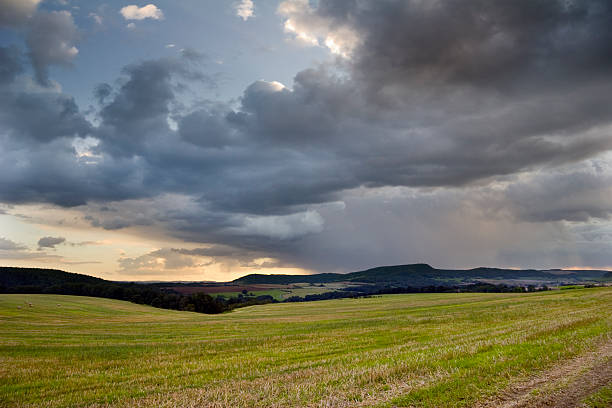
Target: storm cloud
[(51, 39), (476, 112)]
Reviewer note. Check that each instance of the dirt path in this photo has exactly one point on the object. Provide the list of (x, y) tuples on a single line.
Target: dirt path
[(563, 386)]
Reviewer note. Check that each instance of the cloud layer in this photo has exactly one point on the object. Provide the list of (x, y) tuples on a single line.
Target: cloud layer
[(435, 118)]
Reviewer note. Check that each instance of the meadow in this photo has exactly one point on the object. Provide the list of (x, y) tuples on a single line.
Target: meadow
[(421, 350), (278, 292)]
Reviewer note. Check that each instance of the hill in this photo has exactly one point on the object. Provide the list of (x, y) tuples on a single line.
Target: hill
[(52, 281), (421, 275), (259, 288), (13, 277)]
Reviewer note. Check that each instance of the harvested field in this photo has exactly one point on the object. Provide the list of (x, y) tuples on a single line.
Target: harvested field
[(188, 290), (414, 350)]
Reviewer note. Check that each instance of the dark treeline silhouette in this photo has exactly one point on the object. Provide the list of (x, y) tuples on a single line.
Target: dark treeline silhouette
[(474, 287), (145, 295), (50, 281)]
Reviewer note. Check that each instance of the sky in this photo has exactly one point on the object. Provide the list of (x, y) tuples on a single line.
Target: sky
[(206, 139)]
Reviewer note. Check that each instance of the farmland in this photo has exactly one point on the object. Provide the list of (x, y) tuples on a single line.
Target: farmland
[(278, 292), (423, 350), (385, 279)]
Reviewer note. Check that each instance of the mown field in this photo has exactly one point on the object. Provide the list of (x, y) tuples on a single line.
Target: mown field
[(422, 350), (278, 292)]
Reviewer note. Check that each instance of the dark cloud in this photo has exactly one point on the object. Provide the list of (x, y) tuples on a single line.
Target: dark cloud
[(579, 196), (8, 245), (455, 92), (41, 116), (474, 108), (207, 128), (51, 39), (139, 111), (50, 36), (143, 97), (53, 173), (10, 64), (300, 116), (102, 91), (284, 149), (50, 242), (16, 12), (501, 45)]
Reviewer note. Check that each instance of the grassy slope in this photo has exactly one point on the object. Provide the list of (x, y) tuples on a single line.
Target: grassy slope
[(282, 294), (424, 350)]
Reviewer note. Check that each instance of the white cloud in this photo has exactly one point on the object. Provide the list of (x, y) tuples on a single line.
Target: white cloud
[(244, 9), (133, 12), (131, 26), (281, 226), (310, 29)]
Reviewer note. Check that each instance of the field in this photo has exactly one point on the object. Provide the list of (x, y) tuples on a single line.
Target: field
[(424, 350), (278, 292), (225, 289)]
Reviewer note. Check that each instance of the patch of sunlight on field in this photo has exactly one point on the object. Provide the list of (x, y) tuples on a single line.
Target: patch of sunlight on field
[(426, 350)]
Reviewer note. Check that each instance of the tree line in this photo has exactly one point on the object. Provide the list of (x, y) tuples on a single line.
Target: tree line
[(50, 281), (144, 295)]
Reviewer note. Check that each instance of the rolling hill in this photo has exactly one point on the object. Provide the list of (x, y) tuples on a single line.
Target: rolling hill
[(12, 277), (258, 288), (422, 350), (420, 275)]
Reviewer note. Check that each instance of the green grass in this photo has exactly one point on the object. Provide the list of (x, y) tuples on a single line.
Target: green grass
[(300, 290), (278, 294), (307, 290), (425, 350), (275, 293), (601, 399)]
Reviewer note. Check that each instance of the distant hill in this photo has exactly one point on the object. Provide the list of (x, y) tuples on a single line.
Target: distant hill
[(12, 277), (399, 273), (420, 275), (383, 279), (53, 281)]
